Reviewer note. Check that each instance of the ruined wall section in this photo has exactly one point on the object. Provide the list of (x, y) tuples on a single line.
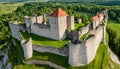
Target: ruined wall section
[(84, 52), (15, 28), (77, 54), (39, 19), (41, 30), (70, 22), (27, 48), (84, 30)]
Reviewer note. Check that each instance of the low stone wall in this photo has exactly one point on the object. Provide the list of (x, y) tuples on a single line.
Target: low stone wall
[(59, 51), (15, 28)]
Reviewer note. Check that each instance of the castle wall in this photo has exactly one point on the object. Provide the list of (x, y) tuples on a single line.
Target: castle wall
[(70, 22), (27, 48), (45, 31), (101, 18), (40, 19), (33, 20), (59, 51), (77, 54), (27, 21), (90, 49), (83, 53), (84, 30), (92, 43), (95, 23), (15, 28)]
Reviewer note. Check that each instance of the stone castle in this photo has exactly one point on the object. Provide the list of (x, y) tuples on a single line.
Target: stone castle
[(59, 27)]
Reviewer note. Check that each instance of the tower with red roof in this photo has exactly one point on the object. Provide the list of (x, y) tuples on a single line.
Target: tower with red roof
[(58, 22)]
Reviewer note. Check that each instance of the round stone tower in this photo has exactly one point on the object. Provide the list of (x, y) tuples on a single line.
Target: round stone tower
[(27, 48)]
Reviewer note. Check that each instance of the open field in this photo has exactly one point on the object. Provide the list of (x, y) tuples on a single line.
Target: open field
[(115, 26), (8, 8)]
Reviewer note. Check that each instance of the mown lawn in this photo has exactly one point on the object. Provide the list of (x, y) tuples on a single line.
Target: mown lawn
[(115, 26), (44, 41), (8, 8)]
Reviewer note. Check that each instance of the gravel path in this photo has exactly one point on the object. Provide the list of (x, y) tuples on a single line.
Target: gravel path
[(114, 57), (45, 63)]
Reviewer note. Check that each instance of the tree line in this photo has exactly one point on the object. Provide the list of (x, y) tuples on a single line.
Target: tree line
[(114, 41)]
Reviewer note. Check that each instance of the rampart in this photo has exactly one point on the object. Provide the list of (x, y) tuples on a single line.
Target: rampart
[(84, 52), (59, 51)]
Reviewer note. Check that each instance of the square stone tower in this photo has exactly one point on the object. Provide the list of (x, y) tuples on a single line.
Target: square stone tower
[(58, 23)]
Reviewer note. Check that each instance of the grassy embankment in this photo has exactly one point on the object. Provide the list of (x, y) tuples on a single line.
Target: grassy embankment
[(8, 8)]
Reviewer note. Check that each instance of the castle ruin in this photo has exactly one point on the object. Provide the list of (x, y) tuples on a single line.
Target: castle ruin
[(79, 52)]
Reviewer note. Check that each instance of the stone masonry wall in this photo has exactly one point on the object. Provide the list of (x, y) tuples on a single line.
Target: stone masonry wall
[(27, 48), (83, 53), (62, 26), (40, 19), (70, 22), (77, 54), (58, 27), (59, 51), (45, 32), (84, 30), (94, 42), (15, 30)]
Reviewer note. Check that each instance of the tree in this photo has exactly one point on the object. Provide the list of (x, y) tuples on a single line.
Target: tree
[(84, 18)]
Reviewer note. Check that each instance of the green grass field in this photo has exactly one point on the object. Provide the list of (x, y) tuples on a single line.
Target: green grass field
[(77, 26), (44, 41), (115, 26), (8, 8)]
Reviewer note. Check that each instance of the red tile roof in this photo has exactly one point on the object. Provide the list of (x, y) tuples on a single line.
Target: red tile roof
[(58, 13), (101, 14), (95, 17)]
